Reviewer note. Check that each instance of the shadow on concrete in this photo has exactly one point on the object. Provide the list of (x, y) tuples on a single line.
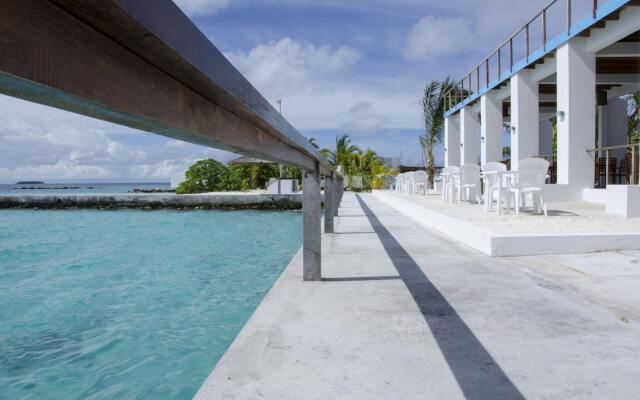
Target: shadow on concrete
[(354, 233), (560, 213), (362, 278), (477, 373)]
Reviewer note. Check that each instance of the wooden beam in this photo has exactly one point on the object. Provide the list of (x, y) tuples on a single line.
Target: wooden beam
[(52, 56)]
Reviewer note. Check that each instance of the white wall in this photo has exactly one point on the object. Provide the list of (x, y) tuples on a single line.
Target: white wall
[(469, 136), (524, 118), (491, 128), (452, 140), (576, 82)]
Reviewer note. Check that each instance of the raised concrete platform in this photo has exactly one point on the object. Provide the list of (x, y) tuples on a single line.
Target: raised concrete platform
[(406, 313), (223, 200), (571, 227)]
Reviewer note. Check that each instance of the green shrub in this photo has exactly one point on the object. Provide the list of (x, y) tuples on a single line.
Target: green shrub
[(204, 176)]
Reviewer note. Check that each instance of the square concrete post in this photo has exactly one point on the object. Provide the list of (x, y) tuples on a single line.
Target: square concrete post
[(490, 128), (576, 80), (525, 126), (452, 141), (311, 231), (469, 136), (329, 207), (337, 197)]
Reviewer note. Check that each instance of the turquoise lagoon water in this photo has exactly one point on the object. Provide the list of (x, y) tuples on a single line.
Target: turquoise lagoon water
[(130, 304)]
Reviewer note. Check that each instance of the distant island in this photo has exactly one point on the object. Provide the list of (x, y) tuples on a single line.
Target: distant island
[(30, 183)]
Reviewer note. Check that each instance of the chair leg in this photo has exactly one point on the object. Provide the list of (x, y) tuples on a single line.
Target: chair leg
[(507, 202), (543, 204), (534, 203), (487, 200), (518, 196)]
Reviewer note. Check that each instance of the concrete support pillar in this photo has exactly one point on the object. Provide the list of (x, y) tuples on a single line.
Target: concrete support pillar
[(452, 140), (329, 208), (311, 231), (525, 134), (490, 128), (338, 190), (469, 136), (576, 80)]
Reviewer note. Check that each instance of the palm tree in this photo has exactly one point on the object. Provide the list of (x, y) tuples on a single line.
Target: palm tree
[(324, 153), (343, 155), (633, 112), (367, 165), (433, 108)]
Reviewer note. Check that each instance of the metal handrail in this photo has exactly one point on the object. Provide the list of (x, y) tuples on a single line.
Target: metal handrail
[(458, 91), (634, 163), (622, 146)]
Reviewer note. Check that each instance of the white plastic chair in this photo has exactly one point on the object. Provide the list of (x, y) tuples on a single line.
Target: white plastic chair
[(419, 182), (410, 182), (493, 184), (468, 180), (530, 178), (447, 175)]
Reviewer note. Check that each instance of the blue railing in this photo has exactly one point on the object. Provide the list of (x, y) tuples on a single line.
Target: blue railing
[(554, 25)]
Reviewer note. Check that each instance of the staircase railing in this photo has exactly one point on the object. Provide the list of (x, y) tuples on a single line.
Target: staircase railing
[(631, 163), (530, 43)]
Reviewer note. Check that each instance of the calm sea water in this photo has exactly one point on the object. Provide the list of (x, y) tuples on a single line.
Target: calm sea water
[(130, 304), (78, 188)]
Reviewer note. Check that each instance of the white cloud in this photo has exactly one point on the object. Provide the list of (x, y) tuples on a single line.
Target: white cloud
[(288, 63), (62, 169), (436, 37), (467, 28), (40, 143), (201, 7), (319, 86)]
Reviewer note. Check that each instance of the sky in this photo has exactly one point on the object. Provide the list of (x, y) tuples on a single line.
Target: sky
[(354, 67)]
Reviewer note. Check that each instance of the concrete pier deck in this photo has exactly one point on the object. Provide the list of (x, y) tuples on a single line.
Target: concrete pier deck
[(406, 313)]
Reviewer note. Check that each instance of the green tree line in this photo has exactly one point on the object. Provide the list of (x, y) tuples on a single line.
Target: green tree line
[(213, 176)]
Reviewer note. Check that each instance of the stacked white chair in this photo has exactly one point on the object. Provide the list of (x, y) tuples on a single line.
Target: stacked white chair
[(494, 188), (408, 182), (531, 177), (448, 174), (413, 183), (468, 181), (420, 182)]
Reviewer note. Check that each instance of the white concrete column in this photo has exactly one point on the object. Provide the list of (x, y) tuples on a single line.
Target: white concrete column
[(311, 229), (490, 128), (525, 134), (452, 140), (469, 136), (576, 80)]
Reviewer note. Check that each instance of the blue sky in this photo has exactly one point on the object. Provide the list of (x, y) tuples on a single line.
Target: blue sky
[(354, 67)]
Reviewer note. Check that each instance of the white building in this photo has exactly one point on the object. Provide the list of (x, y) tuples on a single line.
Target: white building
[(571, 63)]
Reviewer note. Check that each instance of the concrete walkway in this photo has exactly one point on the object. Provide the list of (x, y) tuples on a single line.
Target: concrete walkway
[(408, 314)]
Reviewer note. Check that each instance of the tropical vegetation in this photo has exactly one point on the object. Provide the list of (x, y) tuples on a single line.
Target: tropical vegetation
[(212, 176), (633, 113), (364, 170), (433, 108)]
